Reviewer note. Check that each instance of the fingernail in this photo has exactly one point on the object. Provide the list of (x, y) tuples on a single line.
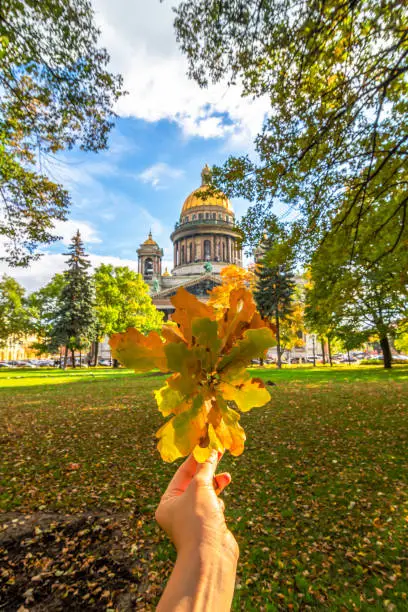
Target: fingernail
[(220, 454)]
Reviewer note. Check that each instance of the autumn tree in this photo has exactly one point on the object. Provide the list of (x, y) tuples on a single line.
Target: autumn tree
[(56, 93), (13, 313), (122, 301), (292, 327), (335, 75), (74, 323), (232, 277)]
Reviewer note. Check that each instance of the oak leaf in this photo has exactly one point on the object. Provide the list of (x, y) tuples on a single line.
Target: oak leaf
[(208, 355)]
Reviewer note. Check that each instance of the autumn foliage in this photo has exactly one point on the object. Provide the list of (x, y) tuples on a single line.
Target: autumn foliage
[(208, 355)]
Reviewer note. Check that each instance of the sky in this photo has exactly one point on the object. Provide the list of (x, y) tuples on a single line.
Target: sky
[(167, 130)]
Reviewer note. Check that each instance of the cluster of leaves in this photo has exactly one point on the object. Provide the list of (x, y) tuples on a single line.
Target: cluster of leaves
[(233, 277), (13, 315), (56, 93), (209, 356)]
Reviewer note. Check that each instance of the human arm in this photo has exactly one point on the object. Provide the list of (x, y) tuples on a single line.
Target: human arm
[(190, 512)]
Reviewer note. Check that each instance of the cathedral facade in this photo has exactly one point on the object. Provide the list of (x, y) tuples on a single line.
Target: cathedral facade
[(205, 240)]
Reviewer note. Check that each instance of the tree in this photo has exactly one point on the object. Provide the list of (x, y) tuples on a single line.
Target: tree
[(291, 328), (75, 319), (351, 338), (122, 301), (335, 75), (352, 295), (43, 307), (275, 284), (13, 314), (56, 93), (233, 277)]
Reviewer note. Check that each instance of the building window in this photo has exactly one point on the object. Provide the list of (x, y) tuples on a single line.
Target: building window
[(201, 216), (207, 215), (194, 217), (220, 216), (186, 219), (182, 254), (207, 250), (223, 251), (214, 215), (190, 252), (148, 268)]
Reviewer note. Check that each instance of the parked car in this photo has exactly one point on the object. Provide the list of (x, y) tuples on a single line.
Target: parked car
[(20, 363), (105, 362), (4, 364)]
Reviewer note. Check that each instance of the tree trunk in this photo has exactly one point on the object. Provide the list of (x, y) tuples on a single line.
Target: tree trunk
[(278, 349), (261, 361), (323, 350), (96, 349), (80, 359), (329, 351), (385, 345), (73, 358), (65, 357), (115, 363), (348, 356)]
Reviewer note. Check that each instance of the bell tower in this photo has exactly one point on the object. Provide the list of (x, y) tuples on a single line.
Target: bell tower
[(150, 259)]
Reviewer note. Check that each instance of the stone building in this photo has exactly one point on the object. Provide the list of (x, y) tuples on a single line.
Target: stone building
[(205, 239)]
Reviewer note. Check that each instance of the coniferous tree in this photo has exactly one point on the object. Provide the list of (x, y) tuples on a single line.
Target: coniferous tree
[(75, 320), (275, 286)]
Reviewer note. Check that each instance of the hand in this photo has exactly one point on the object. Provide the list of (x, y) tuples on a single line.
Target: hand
[(191, 513)]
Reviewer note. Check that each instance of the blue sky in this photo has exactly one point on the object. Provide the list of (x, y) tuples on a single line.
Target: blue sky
[(167, 129)]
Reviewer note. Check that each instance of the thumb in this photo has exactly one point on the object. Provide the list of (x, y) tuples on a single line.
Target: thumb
[(206, 470)]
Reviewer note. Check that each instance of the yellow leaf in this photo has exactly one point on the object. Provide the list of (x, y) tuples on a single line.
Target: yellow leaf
[(248, 394), (139, 352)]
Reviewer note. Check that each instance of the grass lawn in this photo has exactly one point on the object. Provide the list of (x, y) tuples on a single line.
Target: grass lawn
[(318, 503)]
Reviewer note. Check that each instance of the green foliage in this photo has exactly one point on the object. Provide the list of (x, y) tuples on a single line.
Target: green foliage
[(354, 294), (13, 315), (122, 301), (336, 134), (43, 306), (75, 319), (56, 93), (275, 284)]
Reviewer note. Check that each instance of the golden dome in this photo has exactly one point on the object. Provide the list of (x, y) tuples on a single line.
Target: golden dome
[(166, 273), (196, 198), (150, 240)]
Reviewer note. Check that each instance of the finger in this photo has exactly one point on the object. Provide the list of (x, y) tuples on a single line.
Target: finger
[(182, 477), (221, 481), (206, 470)]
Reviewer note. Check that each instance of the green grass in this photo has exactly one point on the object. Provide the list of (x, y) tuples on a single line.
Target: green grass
[(318, 503)]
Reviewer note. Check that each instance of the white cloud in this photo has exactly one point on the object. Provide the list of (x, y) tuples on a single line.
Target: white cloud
[(66, 230), (142, 43), (157, 174)]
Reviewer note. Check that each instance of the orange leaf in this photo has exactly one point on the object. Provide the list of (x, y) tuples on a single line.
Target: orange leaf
[(188, 307)]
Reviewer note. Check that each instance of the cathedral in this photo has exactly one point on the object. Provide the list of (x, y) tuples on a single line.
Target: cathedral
[(205, 239)]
